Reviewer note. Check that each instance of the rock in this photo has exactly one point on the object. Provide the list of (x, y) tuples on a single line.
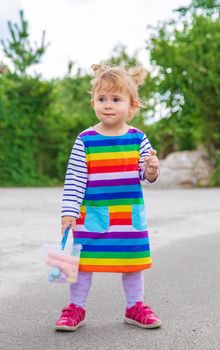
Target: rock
[(185, 169)]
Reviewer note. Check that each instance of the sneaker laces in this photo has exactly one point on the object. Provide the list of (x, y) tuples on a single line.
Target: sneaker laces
[(144, 312), (144, 309), (71, 312)]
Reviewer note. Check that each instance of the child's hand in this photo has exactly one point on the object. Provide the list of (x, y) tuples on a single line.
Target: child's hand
[(151, 165), (67, 221)]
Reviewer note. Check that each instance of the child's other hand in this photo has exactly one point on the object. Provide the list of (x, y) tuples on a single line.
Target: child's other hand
[(67, 221), (151, 165)]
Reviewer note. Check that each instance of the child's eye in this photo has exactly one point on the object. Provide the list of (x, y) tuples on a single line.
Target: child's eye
[(101, 99), (116, 99)]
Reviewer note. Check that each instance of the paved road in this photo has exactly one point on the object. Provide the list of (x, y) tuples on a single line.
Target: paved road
[(182, 286)]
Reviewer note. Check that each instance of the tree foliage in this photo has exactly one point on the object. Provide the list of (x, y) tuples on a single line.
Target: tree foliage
[(18, 47), (186, 55), (40, 119), (24, 124)]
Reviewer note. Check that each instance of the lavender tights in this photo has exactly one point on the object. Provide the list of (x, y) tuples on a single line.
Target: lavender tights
[(133, 285)]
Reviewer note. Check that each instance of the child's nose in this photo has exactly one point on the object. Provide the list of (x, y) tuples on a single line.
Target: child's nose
[(108, 104)]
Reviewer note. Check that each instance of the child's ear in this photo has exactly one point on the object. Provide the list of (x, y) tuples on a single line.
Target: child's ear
[(92, 103), (134, 106)]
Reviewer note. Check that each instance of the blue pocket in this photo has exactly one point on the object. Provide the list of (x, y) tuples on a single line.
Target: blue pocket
[(97, 219), (139, 217)]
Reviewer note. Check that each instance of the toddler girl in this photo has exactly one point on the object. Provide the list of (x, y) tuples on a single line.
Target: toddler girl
[(103, 200)]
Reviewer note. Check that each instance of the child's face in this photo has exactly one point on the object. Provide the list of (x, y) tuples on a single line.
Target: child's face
[(112, 108)]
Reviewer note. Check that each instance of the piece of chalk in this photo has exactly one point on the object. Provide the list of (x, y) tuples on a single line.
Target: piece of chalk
[(55, 272), (71, 279), (50, 278)]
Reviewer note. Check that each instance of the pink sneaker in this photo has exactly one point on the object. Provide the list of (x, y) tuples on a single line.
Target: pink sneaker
[(142, 316), (72, 317)]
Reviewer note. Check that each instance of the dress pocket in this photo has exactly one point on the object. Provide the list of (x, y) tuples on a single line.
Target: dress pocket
[(139, 217), (97, 219)]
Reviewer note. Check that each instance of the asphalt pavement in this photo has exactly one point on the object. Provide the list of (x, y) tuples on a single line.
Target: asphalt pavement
[(182, 287)]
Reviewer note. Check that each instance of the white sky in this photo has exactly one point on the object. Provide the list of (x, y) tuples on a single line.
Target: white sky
[(86, 31)]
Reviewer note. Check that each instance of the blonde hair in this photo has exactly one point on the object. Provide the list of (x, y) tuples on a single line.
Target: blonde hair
[(119, 79)]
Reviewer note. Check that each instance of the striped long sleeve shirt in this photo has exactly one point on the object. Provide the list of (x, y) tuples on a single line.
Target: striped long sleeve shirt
[(76, 176)]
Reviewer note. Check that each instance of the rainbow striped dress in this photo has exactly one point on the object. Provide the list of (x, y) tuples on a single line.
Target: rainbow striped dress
[(103, 189)]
